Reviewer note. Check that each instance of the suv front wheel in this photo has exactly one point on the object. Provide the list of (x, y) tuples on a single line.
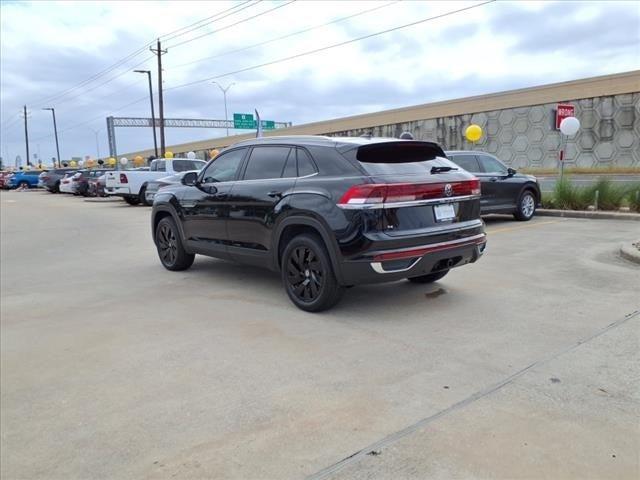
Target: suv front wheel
[(170, 249), (526, 206), (307, 274)]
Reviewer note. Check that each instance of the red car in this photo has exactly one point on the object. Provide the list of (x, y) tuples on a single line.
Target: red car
[(4, 176)]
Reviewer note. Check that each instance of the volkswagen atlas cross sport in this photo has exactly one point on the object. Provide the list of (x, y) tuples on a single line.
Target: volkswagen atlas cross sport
[(327, 213)]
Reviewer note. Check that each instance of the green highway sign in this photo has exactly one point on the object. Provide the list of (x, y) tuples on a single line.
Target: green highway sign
[(244, 121)]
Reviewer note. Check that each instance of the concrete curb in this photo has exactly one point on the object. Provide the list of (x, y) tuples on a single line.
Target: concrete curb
[(543, 212), (631, 252), (102, 199)]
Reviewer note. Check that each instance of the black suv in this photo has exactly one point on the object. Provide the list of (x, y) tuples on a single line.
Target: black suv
[(503, 189), (51, 180), (328, 213)]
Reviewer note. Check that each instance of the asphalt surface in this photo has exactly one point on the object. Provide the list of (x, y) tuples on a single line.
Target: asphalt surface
[(525, 364), (547, 182)]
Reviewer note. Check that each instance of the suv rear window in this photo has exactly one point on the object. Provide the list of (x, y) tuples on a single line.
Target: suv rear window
[(411, 158)]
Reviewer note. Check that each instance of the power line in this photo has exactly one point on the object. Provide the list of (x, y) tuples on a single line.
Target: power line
[(328, 47), (124, 60), (64, 93), (236, 7), (315, 27), (101, 116), (232, 25)]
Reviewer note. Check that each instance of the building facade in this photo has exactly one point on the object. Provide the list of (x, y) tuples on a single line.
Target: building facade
[(526, 137)]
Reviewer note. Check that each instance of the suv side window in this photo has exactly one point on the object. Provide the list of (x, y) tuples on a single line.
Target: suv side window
[(224, 167), (154, 166), (266, 162), (161, 166), (466, 161), (305, 164), (491, 165), (290, 168)]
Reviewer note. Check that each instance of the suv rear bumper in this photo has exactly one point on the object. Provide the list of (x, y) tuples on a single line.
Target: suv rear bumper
[(397, 264)]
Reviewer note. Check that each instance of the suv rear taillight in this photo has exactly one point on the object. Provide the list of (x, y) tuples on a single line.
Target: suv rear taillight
[(372, 194), (123, 178)]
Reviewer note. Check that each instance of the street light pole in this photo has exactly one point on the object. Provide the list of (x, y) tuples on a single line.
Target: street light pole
[(153, 115), (224, 94), (97, 142), (26, 135), (55, 131)]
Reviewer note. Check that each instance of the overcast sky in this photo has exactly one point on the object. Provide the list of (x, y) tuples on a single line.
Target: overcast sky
[(49, 48)]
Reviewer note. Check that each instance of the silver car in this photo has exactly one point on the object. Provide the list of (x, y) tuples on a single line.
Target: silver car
[(155, 185)]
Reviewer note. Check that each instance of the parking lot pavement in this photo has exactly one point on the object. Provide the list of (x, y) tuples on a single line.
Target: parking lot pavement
[(114, 367)]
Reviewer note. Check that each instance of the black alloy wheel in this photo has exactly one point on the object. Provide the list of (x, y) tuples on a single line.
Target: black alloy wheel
[(308, 275), (170, 250), (305, 274)]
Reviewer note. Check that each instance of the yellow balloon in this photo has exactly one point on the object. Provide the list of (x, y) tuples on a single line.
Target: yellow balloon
[(473, 133), (213, 153), (111, 161), (138, 161), (168, 155), (72, 163)]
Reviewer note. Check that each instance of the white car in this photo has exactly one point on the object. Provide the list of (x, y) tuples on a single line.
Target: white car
[(132, 184), (66, 183)]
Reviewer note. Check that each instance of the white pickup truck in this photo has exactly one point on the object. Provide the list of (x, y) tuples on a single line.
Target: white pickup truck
[(132, 184)]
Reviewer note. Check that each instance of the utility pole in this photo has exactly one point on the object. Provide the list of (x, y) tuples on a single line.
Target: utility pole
[(158, 51), (55, 131), (224, 94), (26, 135), (153, 115)]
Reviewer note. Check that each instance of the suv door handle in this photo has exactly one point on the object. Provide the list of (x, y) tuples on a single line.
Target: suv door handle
[(220, 196), (493, 179), (274, 193)]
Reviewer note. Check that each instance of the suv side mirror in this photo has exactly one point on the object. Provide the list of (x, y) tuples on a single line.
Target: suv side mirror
[(189, 179), (511, 172)]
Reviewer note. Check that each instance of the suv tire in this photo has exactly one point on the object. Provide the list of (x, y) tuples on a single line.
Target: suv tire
[(307, 274), (23, 184), (526, 206), (143, 197), (429, 278), (132, 199), (170, 249)]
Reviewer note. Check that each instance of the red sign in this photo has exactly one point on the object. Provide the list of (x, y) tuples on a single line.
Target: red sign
[(564, 110)]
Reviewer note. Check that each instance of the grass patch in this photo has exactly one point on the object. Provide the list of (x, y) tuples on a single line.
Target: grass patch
[(567, 196), (633, 197)]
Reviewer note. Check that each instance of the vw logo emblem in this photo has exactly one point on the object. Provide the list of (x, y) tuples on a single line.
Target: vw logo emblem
[(448, 190)]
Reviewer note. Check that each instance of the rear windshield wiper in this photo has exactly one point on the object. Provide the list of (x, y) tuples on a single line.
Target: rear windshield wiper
[(442, 169)]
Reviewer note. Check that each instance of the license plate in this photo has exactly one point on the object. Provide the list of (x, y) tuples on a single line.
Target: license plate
[(444, 212)]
